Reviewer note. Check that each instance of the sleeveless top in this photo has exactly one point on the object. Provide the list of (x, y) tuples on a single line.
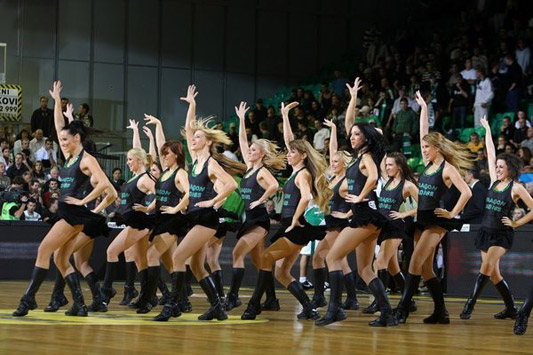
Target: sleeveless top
[(166, 192), (130, 194), (431, 188), (337, 203), (250, 189), (291, 196), (498, 204), (356, 181), (88, 189), (390, 200), (73, 180), (201, 188)]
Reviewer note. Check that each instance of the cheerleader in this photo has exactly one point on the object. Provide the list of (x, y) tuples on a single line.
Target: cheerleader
[(495, 237), (209, 167), (443, 159), (138, 223), (401, 184), (80, 166), (338, 208), (365, 223), (307, 181), (257, 185), (520, 325)]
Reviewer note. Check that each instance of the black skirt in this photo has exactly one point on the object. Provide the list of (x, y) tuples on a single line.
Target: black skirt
[(258, 217), (137, 220), (207, 217), (175, 224), (98, 227), (487, 237), (76, 215), (364, 215), (225, 227), (395, 229), (299, 235), (336, 223), (427, 218)]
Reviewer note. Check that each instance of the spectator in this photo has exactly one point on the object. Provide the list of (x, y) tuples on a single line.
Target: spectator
[(402, 93), (518, 213), (507, 129), (405, 123), (513, 81), (5, 181), (26, 176), (38, 172), (50, 190), (38, 142), (18, 168), (229, 154), (252, 123), (17, 147), (528, 143), (481, 162), (520, 133), (458, 105), (322, 133), (524, 154), (510, 148), (521, 116), (83, 115), (304, 132), (271, 121), (6, 157), (475, 144), (264, 130), (260, 111), (475, 207), (501, 143), (325, 96), (47, 155), (30, 214), (54, 173), (523, 56), (232, 134), (469, 73), (271, 210), (14, 201), (50, 214), (117, 179), (483, 98), (43, 118), (339, 83), (113, 210)]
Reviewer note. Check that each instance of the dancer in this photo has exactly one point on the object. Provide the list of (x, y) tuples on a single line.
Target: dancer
[(443, 160), (257, 185), (520, 325), (307, 180), (336, 221), (80, 166), (209, 167), (495, 237), (366, 221), (400, 185)]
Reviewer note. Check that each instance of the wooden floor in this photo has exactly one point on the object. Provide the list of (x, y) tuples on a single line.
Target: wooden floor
[(274, 333)]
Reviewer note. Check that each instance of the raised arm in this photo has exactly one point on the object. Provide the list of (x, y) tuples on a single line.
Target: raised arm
[(243, 140), (134, 126), (288, 136), (151, 147), (491, 150), (350, 111), (59, 121), (333, 145), (191, 115), (159, 133), (69, 112), (424, 120)]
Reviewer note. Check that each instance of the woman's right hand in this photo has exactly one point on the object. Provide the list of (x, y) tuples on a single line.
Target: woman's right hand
[(485, 123), (355, 88), (241, 110), (191, 94), (134, 125)]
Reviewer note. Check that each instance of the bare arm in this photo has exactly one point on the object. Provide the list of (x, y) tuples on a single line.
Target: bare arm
[(491, 150), (288, 136), (110, 197), (303, 182), (456, 179), (409, 190), (243, 140), (333, 145), (134, 126), (191, 115), (519, 192), (90, 165), (151, 147), (269, 183), (159, 133), (371, 181), (182, 183), (350, 111), (424, 119), (59, 121), (223, 179)]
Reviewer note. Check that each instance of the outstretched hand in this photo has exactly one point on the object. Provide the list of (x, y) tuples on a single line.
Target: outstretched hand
[(485, 123), (55, 92), (330, 124), (148, 132), (149, 119), (241, 110), (69, 112), (191, 94), (134, 125), (286, 108), (355, 88), (419, 99)]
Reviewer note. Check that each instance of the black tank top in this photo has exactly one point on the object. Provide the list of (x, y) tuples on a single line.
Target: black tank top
[(73, 180), (250, 189), (167, 194), (130, 194), (291, 196), (498, 204), (390, 200), (88, 189), (431, 187), (337, 203), (201, 188), (355, 178)]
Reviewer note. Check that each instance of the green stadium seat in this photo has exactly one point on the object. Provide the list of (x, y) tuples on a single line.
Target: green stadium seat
[(413, 162)]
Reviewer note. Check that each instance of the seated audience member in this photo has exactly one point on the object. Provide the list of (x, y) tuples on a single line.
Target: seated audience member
[(49, 214), (5, 181), (117, 179), (475, 143), (18, 168), (47, 155), (30, 214)]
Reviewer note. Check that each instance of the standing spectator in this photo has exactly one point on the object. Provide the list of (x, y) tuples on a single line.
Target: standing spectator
[(30, 214), (43, 118), (405, 123), (271, 121), (458, 104), (339, 83), (83, 115), (18, 168), (5, 181), (47, 155), (513, 80), (322, 133), (523, 56), (396, 107), (475, 207), (484, 96), (117, 179), (469, 73), (260, 111)]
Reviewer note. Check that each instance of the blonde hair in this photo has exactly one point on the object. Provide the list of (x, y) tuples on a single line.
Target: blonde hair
[(344, 157), (140, 154), (456, 154), (273, 158), (217, 138), (316, 165)]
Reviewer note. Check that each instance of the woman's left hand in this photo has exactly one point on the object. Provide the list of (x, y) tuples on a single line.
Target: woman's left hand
[(140, 208), (441, 212), (509, 222), (169, 210), (73, 201), (396, 215), (294, 224), (255, 204), (205, 204)]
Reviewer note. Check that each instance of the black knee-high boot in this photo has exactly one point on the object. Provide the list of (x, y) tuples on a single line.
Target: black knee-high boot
[(171, 308), (386, 318), (254, 305), (188, 280), (402, 312), (78, 307), (98, 304), (108, 292), (510, 310), (217, 308), (149, 280), (218, 279), (399, 281), (233, 300), (130, 292), (520, 326), (27, 302), (351, 302), (335, 311), (383, 275), (479, 285), (296, 289), (440, 314), (165, 292), (58, 298), (271, 302), (319, 278)]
